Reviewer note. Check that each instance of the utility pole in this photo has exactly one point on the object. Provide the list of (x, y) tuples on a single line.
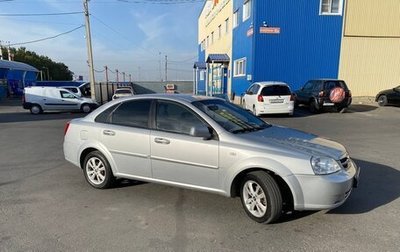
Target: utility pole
[(123, 76), (138, 73), (106, 70), (89, 49), (130, 78), (166, 68), (1, 51), (9, 51), (116, 71), (159, 65)]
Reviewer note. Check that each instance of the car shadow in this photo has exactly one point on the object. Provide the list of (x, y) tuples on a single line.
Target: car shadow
[(379, 185), (121, 183), (359, 108), (28, 117)]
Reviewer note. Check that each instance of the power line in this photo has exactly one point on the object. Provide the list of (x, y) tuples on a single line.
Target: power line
[(47, 38), (39, 14)]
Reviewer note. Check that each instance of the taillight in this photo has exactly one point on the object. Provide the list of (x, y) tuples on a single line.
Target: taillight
[(66, 128), (321, 93), (260, 98)]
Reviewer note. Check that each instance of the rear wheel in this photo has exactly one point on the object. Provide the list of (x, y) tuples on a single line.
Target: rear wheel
[(255, 111), (97, 171), (36, 109), (261, 197), (382, 100)]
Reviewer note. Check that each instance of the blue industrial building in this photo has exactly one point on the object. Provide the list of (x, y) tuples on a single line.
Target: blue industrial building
[(14, 76), (271, 40)]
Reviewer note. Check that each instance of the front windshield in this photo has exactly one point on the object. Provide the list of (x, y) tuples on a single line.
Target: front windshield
[(231, 117)]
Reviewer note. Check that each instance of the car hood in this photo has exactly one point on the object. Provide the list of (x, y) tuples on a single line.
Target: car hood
[(295, 141)]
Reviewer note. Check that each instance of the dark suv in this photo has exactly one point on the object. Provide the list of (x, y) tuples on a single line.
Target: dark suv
[(318, 94)]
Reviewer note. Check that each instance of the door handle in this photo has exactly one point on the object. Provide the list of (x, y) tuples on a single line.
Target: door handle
[(108, 133), (162, 140)]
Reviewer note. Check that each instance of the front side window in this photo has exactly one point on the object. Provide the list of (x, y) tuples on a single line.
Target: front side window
[(132, 113), (67, 95), (246, 10), (230, 116), (331, 7), (240, 67), (235, 18), (175, 118)]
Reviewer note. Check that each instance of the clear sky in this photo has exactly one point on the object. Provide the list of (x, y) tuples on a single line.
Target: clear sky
[(132, 36)]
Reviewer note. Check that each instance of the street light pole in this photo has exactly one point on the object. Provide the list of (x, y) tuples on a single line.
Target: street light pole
[(89, 49)]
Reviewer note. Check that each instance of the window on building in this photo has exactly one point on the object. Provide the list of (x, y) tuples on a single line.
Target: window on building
[(208, 42), (202, 45), (239, 67), (227, 26), (212, 38), (235, 18), (246, 10), (219, 31), (331, 7)]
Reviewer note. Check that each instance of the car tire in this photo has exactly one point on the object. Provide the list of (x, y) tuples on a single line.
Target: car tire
[(86, 108), (255, 111), (313, 107), (261, 197), (382, 100), (98, 171), (36, 109)]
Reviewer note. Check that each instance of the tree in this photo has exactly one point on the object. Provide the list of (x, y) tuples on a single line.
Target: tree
[(56, 70)]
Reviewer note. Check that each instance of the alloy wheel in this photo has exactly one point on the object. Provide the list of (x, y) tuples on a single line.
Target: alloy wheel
[(254, 198)]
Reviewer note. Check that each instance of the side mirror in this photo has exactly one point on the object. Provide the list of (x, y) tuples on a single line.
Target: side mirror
[(200, 131)]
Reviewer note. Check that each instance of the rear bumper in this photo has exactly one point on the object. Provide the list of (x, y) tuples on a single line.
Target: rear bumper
[(27, 105), (326, 102), (277, 109)]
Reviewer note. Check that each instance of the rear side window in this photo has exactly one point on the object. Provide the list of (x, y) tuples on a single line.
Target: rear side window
[(132, 113), (275, 90), (105, 116), (333, 84)]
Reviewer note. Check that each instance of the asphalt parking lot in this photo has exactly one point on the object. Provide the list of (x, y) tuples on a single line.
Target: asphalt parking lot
[(46, 205)]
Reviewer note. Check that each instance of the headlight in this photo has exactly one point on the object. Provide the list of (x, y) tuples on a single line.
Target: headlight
[(324, 165)]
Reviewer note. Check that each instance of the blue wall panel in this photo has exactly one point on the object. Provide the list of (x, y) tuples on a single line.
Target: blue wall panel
[(201, 84), (307, 47), (242, 47)]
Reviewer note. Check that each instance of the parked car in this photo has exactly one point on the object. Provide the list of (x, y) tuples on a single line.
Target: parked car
[(209, 144), (269, 97), (388, 97), (122, 92), (39, 99), (318, 94)]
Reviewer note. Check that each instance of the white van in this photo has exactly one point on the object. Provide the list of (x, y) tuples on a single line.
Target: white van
[(39, 99)]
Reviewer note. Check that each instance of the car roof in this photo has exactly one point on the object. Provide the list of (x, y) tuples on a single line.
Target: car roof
[(271, 83), (326, 79)]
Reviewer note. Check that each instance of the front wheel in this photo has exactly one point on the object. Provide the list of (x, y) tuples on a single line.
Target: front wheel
[(382, 100), (86, 108), (261, 197), (97, 171), (36, 109), (313, 107)]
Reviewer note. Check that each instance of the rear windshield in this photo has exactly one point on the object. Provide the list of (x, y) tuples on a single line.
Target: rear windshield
[(275, 90), (123, 91), (333, 84)]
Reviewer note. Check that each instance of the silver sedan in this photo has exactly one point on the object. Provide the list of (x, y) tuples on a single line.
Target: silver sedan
[(211, 145)]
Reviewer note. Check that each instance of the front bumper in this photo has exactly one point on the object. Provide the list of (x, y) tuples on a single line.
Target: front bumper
[(326, 191)]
